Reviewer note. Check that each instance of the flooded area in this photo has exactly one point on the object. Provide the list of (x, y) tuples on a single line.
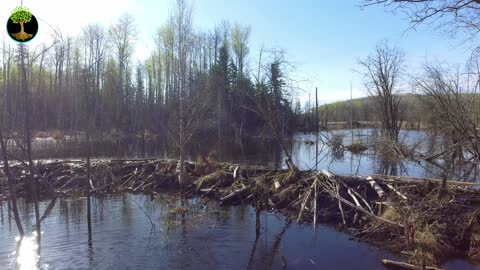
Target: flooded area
[(168, 232), (309, 156), (306, 153)]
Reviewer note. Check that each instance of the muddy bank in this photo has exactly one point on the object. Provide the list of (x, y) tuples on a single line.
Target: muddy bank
[(421, 219)]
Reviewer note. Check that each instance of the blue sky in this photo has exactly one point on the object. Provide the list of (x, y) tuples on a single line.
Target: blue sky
[(324, 39)]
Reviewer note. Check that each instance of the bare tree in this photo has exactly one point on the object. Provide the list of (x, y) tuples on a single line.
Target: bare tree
[(28, 137), (95, 44), (451, 106), (123, 35), (382, 71), (88, 123), (182, 21), (59, 61), (449, 15)]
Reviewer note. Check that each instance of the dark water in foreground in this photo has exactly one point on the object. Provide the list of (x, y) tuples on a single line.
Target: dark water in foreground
[(197, 235)]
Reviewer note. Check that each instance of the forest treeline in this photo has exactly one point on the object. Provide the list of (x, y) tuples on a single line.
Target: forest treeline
[(93, 77), (363, 109), (208, 85)]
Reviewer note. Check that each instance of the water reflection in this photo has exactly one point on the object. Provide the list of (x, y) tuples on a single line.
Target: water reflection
[(27, 254), (256, 151), (188, 234), (320, 156)]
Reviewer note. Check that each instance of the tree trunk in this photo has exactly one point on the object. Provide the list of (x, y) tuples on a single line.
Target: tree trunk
[(11, 185), (33, 182), (89, 210)]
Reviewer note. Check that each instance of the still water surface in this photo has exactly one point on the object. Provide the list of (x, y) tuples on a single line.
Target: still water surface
[(168, 232), (306, 156)]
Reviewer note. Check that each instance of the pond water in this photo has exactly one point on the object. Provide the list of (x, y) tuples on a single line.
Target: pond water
[(309, 156), (268, 153), (168, 232)]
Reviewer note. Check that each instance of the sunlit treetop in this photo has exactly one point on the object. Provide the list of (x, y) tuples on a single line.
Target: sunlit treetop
[(21, 14)]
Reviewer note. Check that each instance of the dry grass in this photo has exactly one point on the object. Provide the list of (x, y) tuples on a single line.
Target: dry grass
[(204, 166), (429, 243), (287, 178), (391, 213), (114, 135), (471, 232), (56, 134), (390, 151), (217, 179), (474, 248), (357, 147), (336, 143)]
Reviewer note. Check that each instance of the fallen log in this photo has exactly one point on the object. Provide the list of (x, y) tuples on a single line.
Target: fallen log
[(355, 218), (233, 194), (302, 207), (404, 265), (396, 191), (376, 187), (422, 179), (340, 207), (357, 194)]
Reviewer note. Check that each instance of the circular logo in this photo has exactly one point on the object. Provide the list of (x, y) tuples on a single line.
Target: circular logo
[(22, 26)]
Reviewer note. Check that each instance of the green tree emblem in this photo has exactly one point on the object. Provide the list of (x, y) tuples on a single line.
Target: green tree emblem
[(21, 15)]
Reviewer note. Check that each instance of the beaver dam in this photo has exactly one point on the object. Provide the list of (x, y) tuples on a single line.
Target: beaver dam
[(425, 221)]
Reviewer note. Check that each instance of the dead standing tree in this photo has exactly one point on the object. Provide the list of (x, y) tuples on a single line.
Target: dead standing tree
[(182, 22), (448, 105), (382, 71), (451, 108), (89, 123)]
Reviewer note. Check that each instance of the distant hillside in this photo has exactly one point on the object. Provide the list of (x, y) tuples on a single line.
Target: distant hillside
[(364, 110)]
